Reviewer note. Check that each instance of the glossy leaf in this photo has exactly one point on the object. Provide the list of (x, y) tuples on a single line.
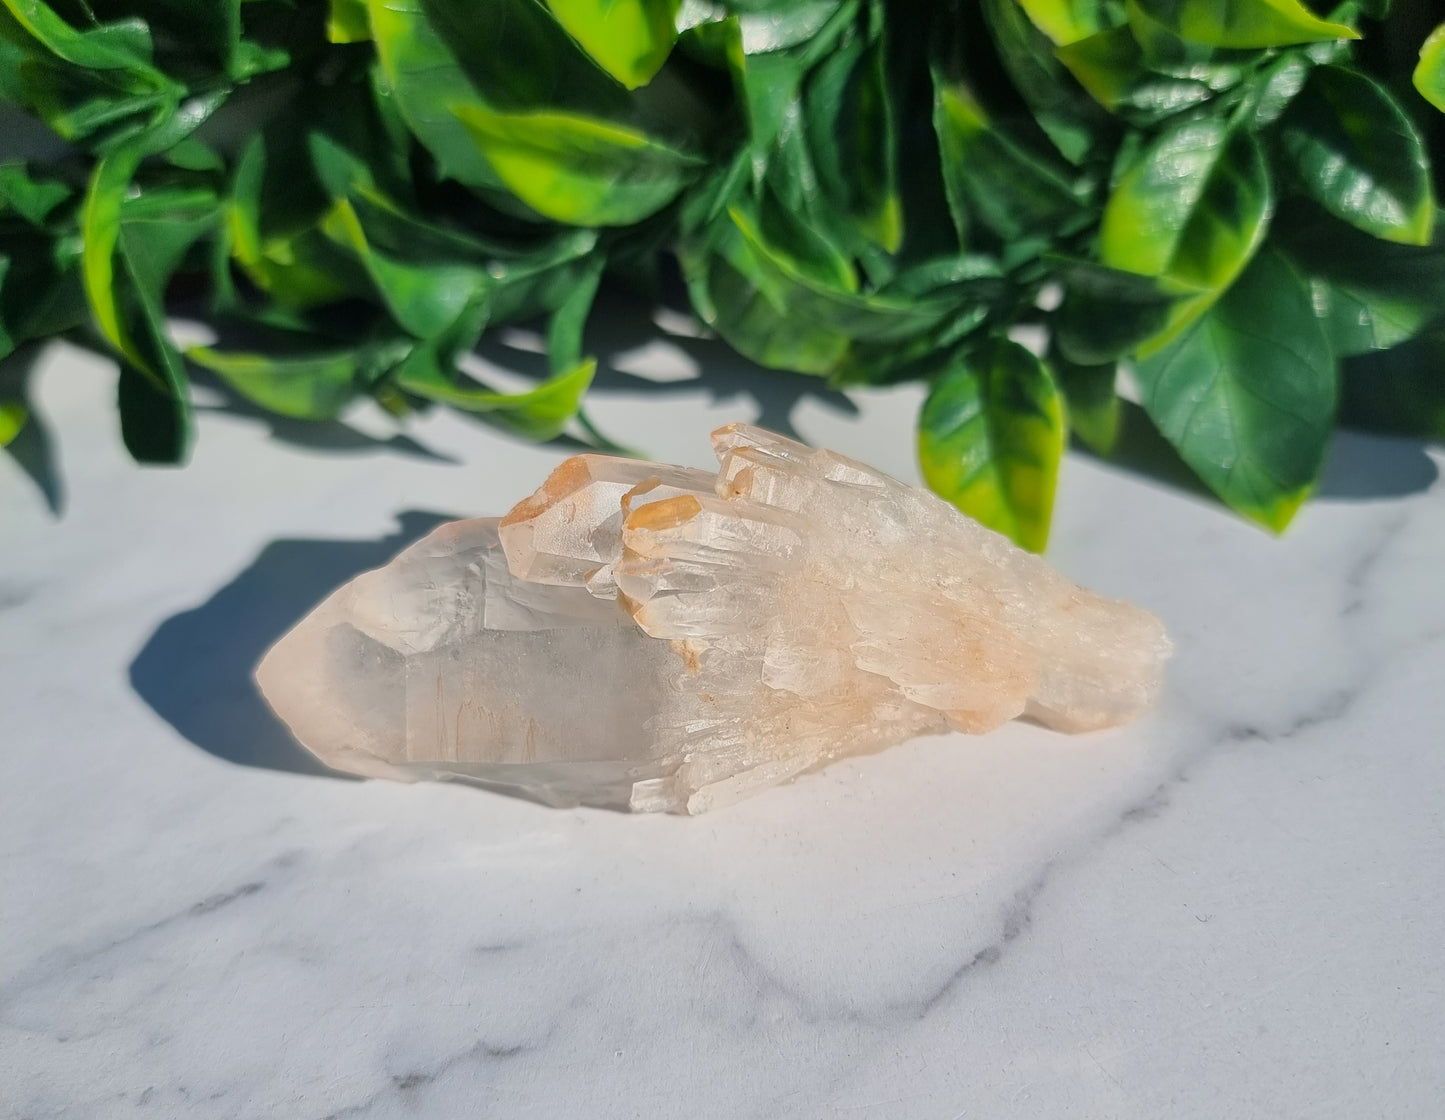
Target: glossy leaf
[(541, 413), (577, 169), (1191, 211), (1247, 395), (1243, 24), (1429, 76), (990, 439), (427, 80), (1357, 154), (1052, 94), (303, 386), (1370, 294), (1067, 21), (100, 225), (852, 141), (131, 246), (123, 48), (630, 39), (287, 257), (1111, 66), (424, 296), (992, 178)]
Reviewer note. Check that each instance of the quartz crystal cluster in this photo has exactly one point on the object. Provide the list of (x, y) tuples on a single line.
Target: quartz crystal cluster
[(649, 637)]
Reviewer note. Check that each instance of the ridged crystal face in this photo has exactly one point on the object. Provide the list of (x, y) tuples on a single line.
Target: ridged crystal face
[(647, 637)]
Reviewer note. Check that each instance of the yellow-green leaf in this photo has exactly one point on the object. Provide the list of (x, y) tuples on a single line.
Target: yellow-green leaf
[(578, 169), (1066, 21), (1192, 211), (348, 22), (100, 226), (990, 439), (540, 413), (1241, 24), (630, 39), (13, 415), (306, 387), (1429, 75)]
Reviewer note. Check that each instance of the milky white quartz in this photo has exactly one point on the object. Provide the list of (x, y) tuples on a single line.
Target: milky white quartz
[(648, 637)]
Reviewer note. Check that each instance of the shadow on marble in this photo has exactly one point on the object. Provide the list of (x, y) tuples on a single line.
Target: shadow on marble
[(195, 670), (333, 437), (622, 323), (1361, 466)]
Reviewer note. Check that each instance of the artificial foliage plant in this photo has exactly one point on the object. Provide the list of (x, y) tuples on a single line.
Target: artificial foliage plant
[(1222, 216)]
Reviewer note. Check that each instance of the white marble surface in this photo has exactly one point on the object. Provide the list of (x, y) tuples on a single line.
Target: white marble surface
[(1234, 909)]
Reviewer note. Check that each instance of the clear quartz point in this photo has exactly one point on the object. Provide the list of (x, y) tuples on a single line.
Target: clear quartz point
[(649, 637)]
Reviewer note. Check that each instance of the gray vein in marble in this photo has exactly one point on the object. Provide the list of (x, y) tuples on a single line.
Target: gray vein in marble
[(62, 959)]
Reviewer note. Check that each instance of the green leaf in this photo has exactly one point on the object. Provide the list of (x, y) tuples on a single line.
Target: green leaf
[(630, 39), (576, 169), (1067, 21), (1093, 405), (32, 198), (314, 386), (1191, 211), (424, 296), (40, 289), (123, 47), (126, 300), (1273, 89), (990, 439), (782, 296), (100, 226), (1399, 391), (542, 413), (992, 178), (1247, 395), (1429, 76), (96, 87), (347, 22), (425, 78), (1370, 294), (1112, 68), (1052, 94), (271, 226), (564, 332), (13, 415), (1240, 24), (1105, 313), (1356, 153), (852, 140)]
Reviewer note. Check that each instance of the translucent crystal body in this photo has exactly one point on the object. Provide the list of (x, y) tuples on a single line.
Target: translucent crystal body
[(647, 637)]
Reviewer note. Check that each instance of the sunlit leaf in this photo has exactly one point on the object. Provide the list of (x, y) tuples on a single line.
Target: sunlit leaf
[(990, 439), (1191, 211), (1358, 155), (1247, 394), (576, 169), (1429, 76), (630, 39), (1245, 24)]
